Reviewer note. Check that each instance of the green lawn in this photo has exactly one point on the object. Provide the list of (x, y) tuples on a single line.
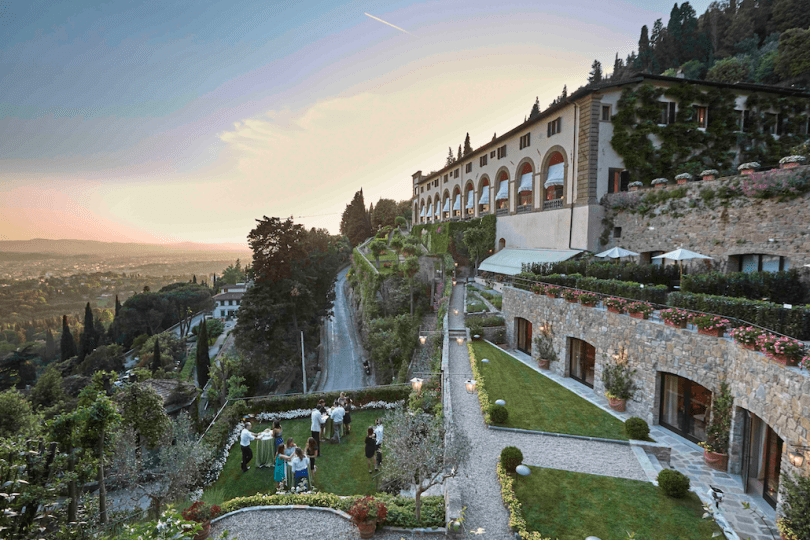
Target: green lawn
[(571, 506), (494, 298), (475, 306), (535, 402), (342, 469)]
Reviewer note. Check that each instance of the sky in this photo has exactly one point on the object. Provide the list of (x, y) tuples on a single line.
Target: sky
[(167, 121)]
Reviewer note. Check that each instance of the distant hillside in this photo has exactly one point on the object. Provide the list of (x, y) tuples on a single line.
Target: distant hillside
[(91, 247)]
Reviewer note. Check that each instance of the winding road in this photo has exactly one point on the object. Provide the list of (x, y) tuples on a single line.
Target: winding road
[(344, 354)]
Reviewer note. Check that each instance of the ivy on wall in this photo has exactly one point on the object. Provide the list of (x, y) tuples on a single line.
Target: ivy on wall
[(686, 148)]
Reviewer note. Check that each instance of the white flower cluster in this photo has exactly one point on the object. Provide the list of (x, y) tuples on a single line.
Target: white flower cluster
[(659, 181), (749, 165), (635, 184), (684, 176), (219, 463), (792, 159), (710, 172), (196, 495)]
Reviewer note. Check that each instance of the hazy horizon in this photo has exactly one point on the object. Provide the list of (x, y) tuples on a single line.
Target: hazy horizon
[(165, 122)]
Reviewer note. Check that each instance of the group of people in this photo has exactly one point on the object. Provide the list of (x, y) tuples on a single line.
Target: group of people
[(301, 458)]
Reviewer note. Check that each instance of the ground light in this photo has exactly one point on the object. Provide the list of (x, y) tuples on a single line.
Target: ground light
[(416, 384), (523, 470), (455, 312), (460, 340), (470, 385)]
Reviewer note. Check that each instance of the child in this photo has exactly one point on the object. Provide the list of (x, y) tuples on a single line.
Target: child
[(299, 466), (289, 448)]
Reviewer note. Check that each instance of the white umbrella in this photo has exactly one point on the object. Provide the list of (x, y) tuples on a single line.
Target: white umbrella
[(681, 254), (617, 253)]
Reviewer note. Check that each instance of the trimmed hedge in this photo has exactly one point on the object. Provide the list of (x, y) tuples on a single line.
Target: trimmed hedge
[(656, 294), (621, 271), (779, 287), (793, 322)]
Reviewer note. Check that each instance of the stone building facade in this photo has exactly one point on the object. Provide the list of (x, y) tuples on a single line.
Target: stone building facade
[(777, 395)]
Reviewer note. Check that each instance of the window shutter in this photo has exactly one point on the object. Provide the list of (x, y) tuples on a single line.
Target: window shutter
[(672, 112)]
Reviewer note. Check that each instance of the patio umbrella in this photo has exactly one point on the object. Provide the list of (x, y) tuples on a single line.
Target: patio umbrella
[(681, 255), (617, 253)]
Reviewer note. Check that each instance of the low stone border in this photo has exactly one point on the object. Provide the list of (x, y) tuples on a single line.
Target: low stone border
[(563, 435)]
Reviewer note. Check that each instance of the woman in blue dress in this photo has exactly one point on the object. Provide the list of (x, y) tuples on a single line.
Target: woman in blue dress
[(280, 473)]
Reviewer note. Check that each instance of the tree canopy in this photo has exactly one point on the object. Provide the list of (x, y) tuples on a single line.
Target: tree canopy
[(355, 223)]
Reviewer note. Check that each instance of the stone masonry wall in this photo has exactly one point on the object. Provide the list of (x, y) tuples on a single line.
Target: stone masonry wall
[(780, 396), (741, 226)]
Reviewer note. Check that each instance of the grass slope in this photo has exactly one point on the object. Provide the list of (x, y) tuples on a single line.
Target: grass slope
[(538, 403), (342, 469), (571, 506)]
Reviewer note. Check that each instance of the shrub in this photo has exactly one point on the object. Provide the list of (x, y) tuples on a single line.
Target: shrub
[(475, 326), (498, 414), (796, 506), (618, 381), (637, 428), (511, 457), (625, 289), (779, 287), (673, 483)]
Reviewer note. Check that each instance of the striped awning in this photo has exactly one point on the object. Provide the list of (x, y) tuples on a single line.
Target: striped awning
[(457, 203), (470, 195), (446, 205), (484, 196), (556, 175), (525, 183), (503, 191)]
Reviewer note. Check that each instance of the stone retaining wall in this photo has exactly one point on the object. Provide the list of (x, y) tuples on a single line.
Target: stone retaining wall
[(778, 395)]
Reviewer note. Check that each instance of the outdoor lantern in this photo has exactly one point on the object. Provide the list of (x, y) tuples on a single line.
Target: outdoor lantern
[(460, 340), (796, 455), (416, 383), (455, 312), (454, 282), (470, 386), (456, 264), (422, 339)]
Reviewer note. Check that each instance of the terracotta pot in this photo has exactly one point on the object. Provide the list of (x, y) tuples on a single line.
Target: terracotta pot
[(203, 534), (543, 364), (747, 172), (638, 315), (615, 310), (717, 332), (708, 177), (682, 182), (589, 304), (572, 300), (366, 528), (660, 186), (749, 346), (552, 295), (789, 165), (617, 404), (715, 460), (676, 325), (784, 359)]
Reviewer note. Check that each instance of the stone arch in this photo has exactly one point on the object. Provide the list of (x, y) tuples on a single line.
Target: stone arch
[(484, 184), (456, 198), (501, 244), (502, 176), (554, 155), (465, 199), (524, 166), (437, 204), (484, 180), (448, 203)]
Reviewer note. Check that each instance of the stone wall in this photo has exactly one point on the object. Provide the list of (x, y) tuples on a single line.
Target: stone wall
[(780, 396), (741, 225)]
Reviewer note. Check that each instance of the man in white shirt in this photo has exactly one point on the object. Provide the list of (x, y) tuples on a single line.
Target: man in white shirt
[(378, 433), (244, 440), (315, 428), (337, 418)]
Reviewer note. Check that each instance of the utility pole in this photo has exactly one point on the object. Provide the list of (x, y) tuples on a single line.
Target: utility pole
[(303, 362)]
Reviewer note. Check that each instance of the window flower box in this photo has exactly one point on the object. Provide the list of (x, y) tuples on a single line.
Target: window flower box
[(660, 183), (710, 325), (782, 349), (683, 178), (635, 186), (749, 168), (790, 162), (709, 174), (615, 305), (639, 310), (553, 291), (571, 295), (589, 299), (538, 288), (675, 317), (746, 336)]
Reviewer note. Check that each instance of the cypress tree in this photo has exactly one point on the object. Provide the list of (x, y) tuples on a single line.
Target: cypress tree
[(203, 361), (117, 305), (595, 76), (50, 346), (67, 347), (88, 341), (194, 279), (156, 363), (535, 112), (467, 146), (450, 159)]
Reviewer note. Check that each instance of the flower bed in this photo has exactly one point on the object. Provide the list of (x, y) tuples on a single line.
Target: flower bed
[(483, 397), (639, 310), (675, 317), (615, 305), (571, 295), (747, 336), (783, 349), (516, 520), (589, 299), (710, 325)]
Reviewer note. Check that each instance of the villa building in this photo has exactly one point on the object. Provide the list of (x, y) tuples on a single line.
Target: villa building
[(544, 179), (229, 300)]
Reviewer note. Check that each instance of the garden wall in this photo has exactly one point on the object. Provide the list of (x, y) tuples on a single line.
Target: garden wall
[(778, 395)]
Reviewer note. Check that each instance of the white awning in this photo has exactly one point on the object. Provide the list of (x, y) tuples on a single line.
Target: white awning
[(470, 195), (510, 261), (437, 211), (422, 213), (525, 183), (484, 196), (503, 191), (556, 175), (446, 205), (457, 204)]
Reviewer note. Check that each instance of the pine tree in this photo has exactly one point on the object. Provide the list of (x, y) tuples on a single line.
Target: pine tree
[(494, 137), (67, 347), (450, 158), (467, 147), (618, 68), (595, 77), (156, 363), (459, 153), (565, 91), (50, 346), (535, 112), (88, 341), (203, 360), (194, 279)]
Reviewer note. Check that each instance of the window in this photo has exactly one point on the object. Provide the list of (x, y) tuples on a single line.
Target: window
[(605, 113), (436, 183), (667, 113), (492, 154), (804, 127), (417, 191), (617, 232), (759, 263), (482, 161), (701, 116), (774, 124), (468, 167), (746, 121), (428, 186), (502, 152), (525, 140), (618, 180), (554, 127), (445, 178), (455, 173)]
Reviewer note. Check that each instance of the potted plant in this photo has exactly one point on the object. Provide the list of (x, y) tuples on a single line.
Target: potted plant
[(785, 350), (366, 512), (710, 325), (709, 174), (615, 305), (790, 162), (571, 295), (804, 363), (552, 291), (715, 449), (635, 186), (589, 299), (538, 288), (201, 513), (747, 336), (683, 178), (660, 183), (675, 317), (749, 168), (545, 350), (619, 385), (795, 507), (639, 310)]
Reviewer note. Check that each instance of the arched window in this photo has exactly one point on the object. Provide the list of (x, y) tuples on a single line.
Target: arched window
[(457, 202), (483, 198), (501, 244), (437, 209), (446, 206), (502, 196), (469, 198), (555, 180), (422, 213), (526, 189)]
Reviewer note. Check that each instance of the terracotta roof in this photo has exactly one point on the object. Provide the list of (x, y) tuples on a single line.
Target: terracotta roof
[(229, 296), (169, 390)]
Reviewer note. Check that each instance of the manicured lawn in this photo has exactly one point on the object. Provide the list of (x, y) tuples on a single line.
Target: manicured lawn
[(535, 402), (572, 506), (342, 469), (475, 306), (494, 298)]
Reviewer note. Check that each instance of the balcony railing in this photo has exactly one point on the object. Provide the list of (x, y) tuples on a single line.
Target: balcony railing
[(524, 208), (483, 213), (502, 212), (552, 204)]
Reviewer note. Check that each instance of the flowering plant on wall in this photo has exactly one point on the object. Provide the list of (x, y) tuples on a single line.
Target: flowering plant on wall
[(710, 172), (639, 307), (552, 290), (538, 288), (684, 176), (572, 295), (659, 181), (780, 346), (616, 304), (805, 362), (708, 322), (588, 298), (746, 335), (675, 316)]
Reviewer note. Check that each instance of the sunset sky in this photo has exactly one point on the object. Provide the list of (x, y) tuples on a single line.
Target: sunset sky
[(164, 121)]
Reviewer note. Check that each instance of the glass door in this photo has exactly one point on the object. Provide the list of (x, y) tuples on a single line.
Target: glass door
[(685, 407), (524, 336), (763, 454), (582, 361), (773, 463)]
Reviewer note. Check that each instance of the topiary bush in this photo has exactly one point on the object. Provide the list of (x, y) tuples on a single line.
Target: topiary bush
[(511, 457), (637, 428), (673, 483), (498, 414)]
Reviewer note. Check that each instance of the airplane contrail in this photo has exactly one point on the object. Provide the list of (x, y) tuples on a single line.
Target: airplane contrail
[(388, 23)]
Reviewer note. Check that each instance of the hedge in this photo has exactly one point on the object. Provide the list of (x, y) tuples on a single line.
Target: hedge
[(779, 287), (400, 509), (656, 294), (793, 322), (647, 273)]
